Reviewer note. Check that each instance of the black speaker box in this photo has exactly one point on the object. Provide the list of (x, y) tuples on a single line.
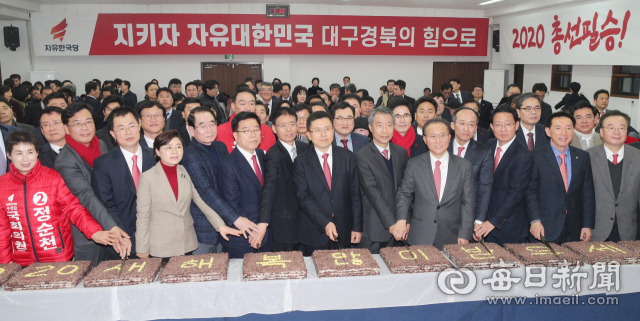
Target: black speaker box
[(12, 38), (496, 40)]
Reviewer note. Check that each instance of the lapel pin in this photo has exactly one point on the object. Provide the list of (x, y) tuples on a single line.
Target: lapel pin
[(182, 175)]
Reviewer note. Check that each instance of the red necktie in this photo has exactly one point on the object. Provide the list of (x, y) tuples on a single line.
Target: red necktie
[(460, 149), (497, 159), (135, 171), (530, 142), (437, 178), (326, 169), (257, 169), (344, 142), (563, 171), (615, 159), (386, 154)]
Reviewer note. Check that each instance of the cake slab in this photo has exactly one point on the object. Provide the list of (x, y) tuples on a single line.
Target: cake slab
[(538, 255), (605, 252), (138, 271), (414, 259), (273, 266), (8, 270), (196, 268), (634, 245), (53, 275), (475, 257), (346, 262)]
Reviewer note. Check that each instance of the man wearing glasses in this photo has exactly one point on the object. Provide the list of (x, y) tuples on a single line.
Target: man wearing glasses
[(52, 130), (175, 85), (344, 122), (266, 95), (531, 133), (152, 115)]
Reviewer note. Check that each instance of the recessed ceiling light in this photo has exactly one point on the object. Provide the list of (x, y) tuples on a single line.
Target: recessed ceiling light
[(489, 2)]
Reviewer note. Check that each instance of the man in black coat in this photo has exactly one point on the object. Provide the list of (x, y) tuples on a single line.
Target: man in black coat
[(51, 135), (540, 89), (530, 134), (92, 91), (108, 104), (572, 97)]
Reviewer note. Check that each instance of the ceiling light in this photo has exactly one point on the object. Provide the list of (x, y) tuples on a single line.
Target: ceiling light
[(489, 2)]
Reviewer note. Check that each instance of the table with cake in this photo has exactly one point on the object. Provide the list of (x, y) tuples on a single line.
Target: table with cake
[(347, 283)]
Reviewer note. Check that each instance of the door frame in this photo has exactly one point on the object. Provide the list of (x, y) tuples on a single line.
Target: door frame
[(231, 63)]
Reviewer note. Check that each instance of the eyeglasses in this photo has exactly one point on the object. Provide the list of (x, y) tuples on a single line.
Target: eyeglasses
[(248, 132), (507, 126), (211, 126), (434, 137), (343, 119), (303, 119), (131, 127), (48, 126), (285, 125), (530, 109), (478, 91), (322, 130), (406, 116), (152, 116), (82, 124)]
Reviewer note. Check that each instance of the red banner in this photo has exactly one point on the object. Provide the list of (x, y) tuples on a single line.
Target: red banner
[(195, 34)]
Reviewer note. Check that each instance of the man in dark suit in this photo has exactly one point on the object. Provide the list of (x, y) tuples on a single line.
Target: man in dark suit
[(512, 89), (92, 91), (152, 120), (404, 135), (506, 220), (52, 133), (381, 166), (481, 157), (203, 160), (279, 209), (560, 200), (456, 93), (481, 135), (540, 89), (129, 98), (328, 193), (173, 118), (108, 104), (344, 122), (485, 107), (241, 181), (530, 134), (32, 111), (115, 175), (441, 187), (425, 109), (572, 97), (398, 91)]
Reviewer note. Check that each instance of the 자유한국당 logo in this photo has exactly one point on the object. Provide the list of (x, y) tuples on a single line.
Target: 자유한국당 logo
[(59, 30)]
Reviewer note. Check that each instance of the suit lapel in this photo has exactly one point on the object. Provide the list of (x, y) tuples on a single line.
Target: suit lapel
[(184, 187), (379, 162), (506, 158), (471, 150), (147, 160), (316, 166), (575, 169), (123, 168), (552, 164), (627, 166), (286, 155), (244, 167), (451, 171), (395, 156), (428, 171), (600, 162), (163, 182)]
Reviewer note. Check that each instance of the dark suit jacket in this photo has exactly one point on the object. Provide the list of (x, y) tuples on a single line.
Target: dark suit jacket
[(47, 156), (176, 121), (278, 204), (510, 183), (483, 135), (410, 100), (143, 142), (130, 99), (341, 204), (113, 185), (481, 158), (485, 114), (446, 114), (240, 187), (358, 141), (205, 175), (32, 113), (105, 136), (540, 140), (548, 201), (546, 112), (570, 99), (98, 114), (6, 130), (379, 189), (464, 95)]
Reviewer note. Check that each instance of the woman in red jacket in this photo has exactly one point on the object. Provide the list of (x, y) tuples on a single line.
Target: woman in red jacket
[(37, 209)]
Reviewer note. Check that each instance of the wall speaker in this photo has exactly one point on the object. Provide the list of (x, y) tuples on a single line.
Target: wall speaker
[(496, 40), (12, 38)]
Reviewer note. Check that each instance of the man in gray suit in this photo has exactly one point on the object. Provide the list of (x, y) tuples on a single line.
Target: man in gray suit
[(443, 186), (381, 167), (585, 134), (615, 166), (74, 163)]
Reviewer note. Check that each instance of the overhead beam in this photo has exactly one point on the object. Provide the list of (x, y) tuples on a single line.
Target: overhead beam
[(11, 14), (23, 5)]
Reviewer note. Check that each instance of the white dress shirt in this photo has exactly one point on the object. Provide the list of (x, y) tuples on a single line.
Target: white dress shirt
[(289, 149), (248, 156), (444, 167), (418, 130), (55, 148), (526, 132), (380, 149), (457, 96), (503, 148), (609, 154), (128, 156), (456, 145), (148, 140), (329, 159)]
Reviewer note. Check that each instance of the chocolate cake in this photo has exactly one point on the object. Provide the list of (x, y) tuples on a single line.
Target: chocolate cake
[(346, 262), (475, 256), (196, 268), (7, 271), (53, 275), (139, 271), (273, 266), (595, 252), (414, 259), (634, 245), (538, 255)]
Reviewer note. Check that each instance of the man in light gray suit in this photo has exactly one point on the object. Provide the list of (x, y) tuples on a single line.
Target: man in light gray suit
[(444, 195), (74, 163), (616, 177), (381, 167)]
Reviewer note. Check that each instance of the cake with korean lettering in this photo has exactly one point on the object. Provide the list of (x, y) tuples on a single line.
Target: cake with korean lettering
[(414, 259), (273, 266), (196, 268), (475, 257), (596, 252), (538, 255), (53, 275), (634, 245), (7, 271), (138, 271), (345, 262)]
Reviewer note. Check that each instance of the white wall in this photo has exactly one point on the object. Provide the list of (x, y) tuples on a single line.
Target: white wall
[(15, 62), (592, 78)]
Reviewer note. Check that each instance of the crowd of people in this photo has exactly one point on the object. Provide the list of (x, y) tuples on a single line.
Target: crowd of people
[(190, 170)]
